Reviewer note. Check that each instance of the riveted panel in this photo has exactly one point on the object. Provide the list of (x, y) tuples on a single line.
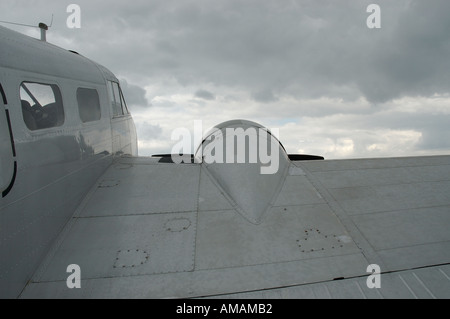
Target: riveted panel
[(126, 246)]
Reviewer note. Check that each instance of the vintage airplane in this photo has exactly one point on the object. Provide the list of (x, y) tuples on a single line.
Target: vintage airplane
[(82, 216)]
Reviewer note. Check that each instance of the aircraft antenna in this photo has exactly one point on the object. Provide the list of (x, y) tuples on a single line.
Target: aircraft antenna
[(51, 22), (44, 27)]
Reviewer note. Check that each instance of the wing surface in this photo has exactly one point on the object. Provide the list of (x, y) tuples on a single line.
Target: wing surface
[(150, 229)]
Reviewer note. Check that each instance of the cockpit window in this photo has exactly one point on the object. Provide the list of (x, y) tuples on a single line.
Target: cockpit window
[(119, 107), (42, 105), (88, 105)]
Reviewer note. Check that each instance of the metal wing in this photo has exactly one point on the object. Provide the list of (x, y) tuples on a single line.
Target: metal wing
[(159, 230)]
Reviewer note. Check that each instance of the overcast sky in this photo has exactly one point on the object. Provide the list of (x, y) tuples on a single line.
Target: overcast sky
[(311, 68)]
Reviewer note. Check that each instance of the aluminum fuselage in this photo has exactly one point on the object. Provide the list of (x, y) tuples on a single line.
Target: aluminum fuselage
[(47, 172)]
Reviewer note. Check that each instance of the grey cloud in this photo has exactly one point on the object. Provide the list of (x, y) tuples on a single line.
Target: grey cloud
[(435, 139), (412, 58), (206, 95), (433, 127), (302, 48), (163, 103), (264, 96), (134, 94), (147, 131)]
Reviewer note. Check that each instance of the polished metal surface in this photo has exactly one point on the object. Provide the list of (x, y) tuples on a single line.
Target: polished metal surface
[(240, 169), (56, 166), (310, 238)]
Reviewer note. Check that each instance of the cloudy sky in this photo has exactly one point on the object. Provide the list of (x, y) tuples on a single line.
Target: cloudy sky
[(311, 68)]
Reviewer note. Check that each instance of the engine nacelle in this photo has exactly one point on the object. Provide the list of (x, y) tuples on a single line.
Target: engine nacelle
[(247, 162)]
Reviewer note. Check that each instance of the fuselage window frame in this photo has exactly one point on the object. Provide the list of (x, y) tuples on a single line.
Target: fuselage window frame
[(37, 116), (89, 108), (118, 104)]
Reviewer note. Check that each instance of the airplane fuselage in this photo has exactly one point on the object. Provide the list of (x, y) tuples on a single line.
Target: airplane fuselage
[(63, 119)]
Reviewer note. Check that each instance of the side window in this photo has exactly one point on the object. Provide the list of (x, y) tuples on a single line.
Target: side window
[(88, 105), (42, 105), (119, 107)]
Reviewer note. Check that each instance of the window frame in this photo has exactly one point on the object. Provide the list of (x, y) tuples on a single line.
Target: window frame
[(99, 105), (119, 105), (58, 101)]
